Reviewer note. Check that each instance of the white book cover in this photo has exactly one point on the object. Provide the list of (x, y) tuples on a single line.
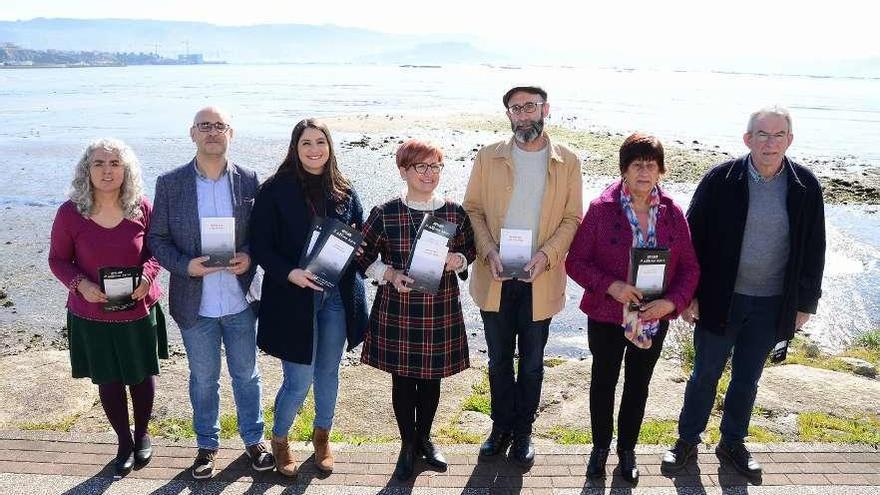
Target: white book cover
[(218, 240), (516, 252)]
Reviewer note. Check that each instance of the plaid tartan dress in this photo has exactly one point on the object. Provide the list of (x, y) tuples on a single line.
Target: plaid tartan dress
[(414, 334)]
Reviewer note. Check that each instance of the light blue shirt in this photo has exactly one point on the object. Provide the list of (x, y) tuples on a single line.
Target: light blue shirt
[(221, 293)]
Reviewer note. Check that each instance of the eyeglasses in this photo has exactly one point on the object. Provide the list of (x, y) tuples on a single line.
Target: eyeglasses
[(220, 127), (422, 168), (764, 137), (528, 107)]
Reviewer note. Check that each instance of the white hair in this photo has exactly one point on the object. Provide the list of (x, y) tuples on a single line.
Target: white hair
[(132, 190), (777, 110)]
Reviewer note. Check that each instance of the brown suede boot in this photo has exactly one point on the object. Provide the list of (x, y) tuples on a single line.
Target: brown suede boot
[(284, 462), (323, 454)]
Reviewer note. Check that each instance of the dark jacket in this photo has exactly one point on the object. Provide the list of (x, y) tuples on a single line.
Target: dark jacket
[(717, 216), (280, 223), (174, 236)]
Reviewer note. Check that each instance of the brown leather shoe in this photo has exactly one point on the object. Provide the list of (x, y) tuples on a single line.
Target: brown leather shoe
[(323, 454), (284, 462)]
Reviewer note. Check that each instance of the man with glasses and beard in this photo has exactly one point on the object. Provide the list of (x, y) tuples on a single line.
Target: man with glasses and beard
[(523, 187), (208, 302)]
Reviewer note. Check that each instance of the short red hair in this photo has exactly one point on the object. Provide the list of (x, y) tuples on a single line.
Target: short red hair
[(415, 151)]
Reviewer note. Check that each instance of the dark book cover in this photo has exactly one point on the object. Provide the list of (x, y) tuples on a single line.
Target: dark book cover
[(333, 251), (647, 272), (311, 241), (218, 240), (427, 257), (118, 283)]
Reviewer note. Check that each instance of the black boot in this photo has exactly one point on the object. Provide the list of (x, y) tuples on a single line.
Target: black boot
[(406, 460), (432, 454), (596, 466), (523, 450), (497, 443), (124, 461), (629, 470), (143, 451)]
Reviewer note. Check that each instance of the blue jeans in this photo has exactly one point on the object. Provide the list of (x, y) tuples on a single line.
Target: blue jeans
[(751, 334), (327, 346), (202, 341), (515, 399)]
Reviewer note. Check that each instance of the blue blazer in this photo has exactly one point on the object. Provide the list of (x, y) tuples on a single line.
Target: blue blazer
[(279, 227), (174, 237)]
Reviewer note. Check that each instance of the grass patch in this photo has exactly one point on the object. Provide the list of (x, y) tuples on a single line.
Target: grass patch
[(63, 425), (451, 433), (571, 436), (553, 362), (658, 432), (869, 340), (480, 399), (822, 427), (173, 428), (721, 391)]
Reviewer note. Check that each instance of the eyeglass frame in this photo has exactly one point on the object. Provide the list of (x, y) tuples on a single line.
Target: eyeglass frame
[(764, 137), (435, 168), (212, 126), (521, 109)]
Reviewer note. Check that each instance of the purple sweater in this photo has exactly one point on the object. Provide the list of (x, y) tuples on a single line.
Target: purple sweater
[(79, 247), (599, 255)]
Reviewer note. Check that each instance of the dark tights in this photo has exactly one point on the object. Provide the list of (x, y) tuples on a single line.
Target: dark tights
[(115, 404), (415, 402)]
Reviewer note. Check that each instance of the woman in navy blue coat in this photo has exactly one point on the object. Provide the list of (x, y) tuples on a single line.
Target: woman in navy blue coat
[(304, 326)]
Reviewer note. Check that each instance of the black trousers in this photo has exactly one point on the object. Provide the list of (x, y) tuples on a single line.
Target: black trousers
[(609, 348), (515, 397), (415, 402)]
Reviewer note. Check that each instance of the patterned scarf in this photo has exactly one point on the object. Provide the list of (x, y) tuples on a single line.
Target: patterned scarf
[(640, 332)]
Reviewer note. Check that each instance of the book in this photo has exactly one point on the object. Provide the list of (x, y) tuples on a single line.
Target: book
[(333, 251), (516, 252), (647, 272), (427, 258), (311, 240), (118, 283), (218, 240)]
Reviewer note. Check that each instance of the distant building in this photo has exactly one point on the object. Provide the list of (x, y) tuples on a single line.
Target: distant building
[(191, 58)]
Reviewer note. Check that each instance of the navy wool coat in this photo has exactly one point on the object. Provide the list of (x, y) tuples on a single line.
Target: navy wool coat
[(280, 224)]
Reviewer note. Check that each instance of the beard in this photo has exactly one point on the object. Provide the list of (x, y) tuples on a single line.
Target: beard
[(528, 132)]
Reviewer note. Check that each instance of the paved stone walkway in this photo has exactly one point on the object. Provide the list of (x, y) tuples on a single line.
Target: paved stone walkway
[(74, 463)]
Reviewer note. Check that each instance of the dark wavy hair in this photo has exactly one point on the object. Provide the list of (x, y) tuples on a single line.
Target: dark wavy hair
[(332, 179)]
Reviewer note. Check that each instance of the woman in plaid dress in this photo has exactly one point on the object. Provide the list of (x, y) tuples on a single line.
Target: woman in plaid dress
[(417, 337)]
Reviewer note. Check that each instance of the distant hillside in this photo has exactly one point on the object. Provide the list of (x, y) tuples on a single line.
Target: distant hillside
[(260, 43)]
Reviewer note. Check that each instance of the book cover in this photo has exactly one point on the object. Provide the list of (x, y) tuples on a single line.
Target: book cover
[(118, 283), (516, 252), (647, 271), (218, 240), (311, 239), (333, 251), (427, 258)]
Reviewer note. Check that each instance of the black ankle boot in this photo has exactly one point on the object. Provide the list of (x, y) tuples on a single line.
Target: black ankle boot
[(143, 451), (629, 470), (497, 443), (124, 461), (596, 466), (406, 460), (432, 454)]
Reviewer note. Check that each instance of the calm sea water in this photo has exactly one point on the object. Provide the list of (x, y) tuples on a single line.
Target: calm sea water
[(49, 114)]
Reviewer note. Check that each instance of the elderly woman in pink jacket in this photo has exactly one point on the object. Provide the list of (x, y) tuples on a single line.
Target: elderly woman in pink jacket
[(624, 326)]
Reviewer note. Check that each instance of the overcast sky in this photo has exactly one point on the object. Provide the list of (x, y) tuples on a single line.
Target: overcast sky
[(843, 29)]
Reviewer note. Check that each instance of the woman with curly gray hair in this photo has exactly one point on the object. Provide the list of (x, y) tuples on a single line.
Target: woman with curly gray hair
[(116, 328)]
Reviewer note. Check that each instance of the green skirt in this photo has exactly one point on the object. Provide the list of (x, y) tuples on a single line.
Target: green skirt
[(125, 352)]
